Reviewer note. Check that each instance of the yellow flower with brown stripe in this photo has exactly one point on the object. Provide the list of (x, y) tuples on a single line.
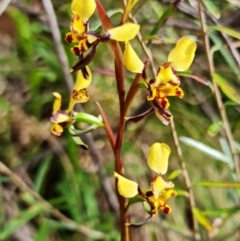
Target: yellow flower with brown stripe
[(160, 189), (62, 118)]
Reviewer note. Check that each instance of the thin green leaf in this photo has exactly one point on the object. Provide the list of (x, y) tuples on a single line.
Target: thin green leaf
[(163, 19), (228, 31), (212, 9), (220, 46), (42, 172), (196, 77), (174, 174), (20, 220), (227, 88), (95, 25), (214, 128), (206, 149), (181, 192), (202, 219), (79, 142), (219, 184), (221, 211)]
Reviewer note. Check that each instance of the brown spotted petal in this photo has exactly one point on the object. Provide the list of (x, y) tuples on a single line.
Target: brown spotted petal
[(78, 96)]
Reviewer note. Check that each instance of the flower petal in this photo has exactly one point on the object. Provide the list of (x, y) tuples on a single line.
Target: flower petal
[(56, 129), (158, 157), (126, 188), (166, 208), (159, 184), (72, 37), (77, 96), (171, 90), (60, 116), (124, 32), (84, 8), (84, 78), (163, 101), (168, 194), (183, 54), (131, 60), (166, 74), (57, 102), (78, 26)]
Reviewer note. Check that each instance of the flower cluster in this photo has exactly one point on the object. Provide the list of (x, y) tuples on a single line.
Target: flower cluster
[(160, 189), (86, 39), (166, 82)]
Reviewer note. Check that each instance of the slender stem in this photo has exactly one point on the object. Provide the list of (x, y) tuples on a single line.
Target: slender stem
[(217, 93), (53, 24), (120, 80), (132, 92), (186, 177)]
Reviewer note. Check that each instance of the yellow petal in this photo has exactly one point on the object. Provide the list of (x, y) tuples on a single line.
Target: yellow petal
[(72, 37), (84, 8), (166, 74), (84, 78), (91, 38), (78, 26), (131, 60), (126, 188), (171, 90), (57, 103), (77, 96), (159, 184), (183, 54), (167, 194), (124, 32), (158, 157), (56, 129)]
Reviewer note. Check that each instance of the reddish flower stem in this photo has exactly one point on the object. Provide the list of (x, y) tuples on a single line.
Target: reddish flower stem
[(119, 74)]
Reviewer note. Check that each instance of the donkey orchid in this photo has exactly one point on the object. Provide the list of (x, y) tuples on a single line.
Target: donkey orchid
[(160, 189), (62, 118)]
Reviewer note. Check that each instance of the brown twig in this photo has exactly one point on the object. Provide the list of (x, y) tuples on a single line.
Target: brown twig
[(108, 128), (56, 213), (186, 177)]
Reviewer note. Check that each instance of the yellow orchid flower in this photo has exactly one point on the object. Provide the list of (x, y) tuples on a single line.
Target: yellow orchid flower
[(166, 82), (62, 118), (82, 10), (160, 189)]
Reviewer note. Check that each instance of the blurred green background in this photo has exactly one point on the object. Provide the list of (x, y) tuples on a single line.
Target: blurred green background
[(73, 180)]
